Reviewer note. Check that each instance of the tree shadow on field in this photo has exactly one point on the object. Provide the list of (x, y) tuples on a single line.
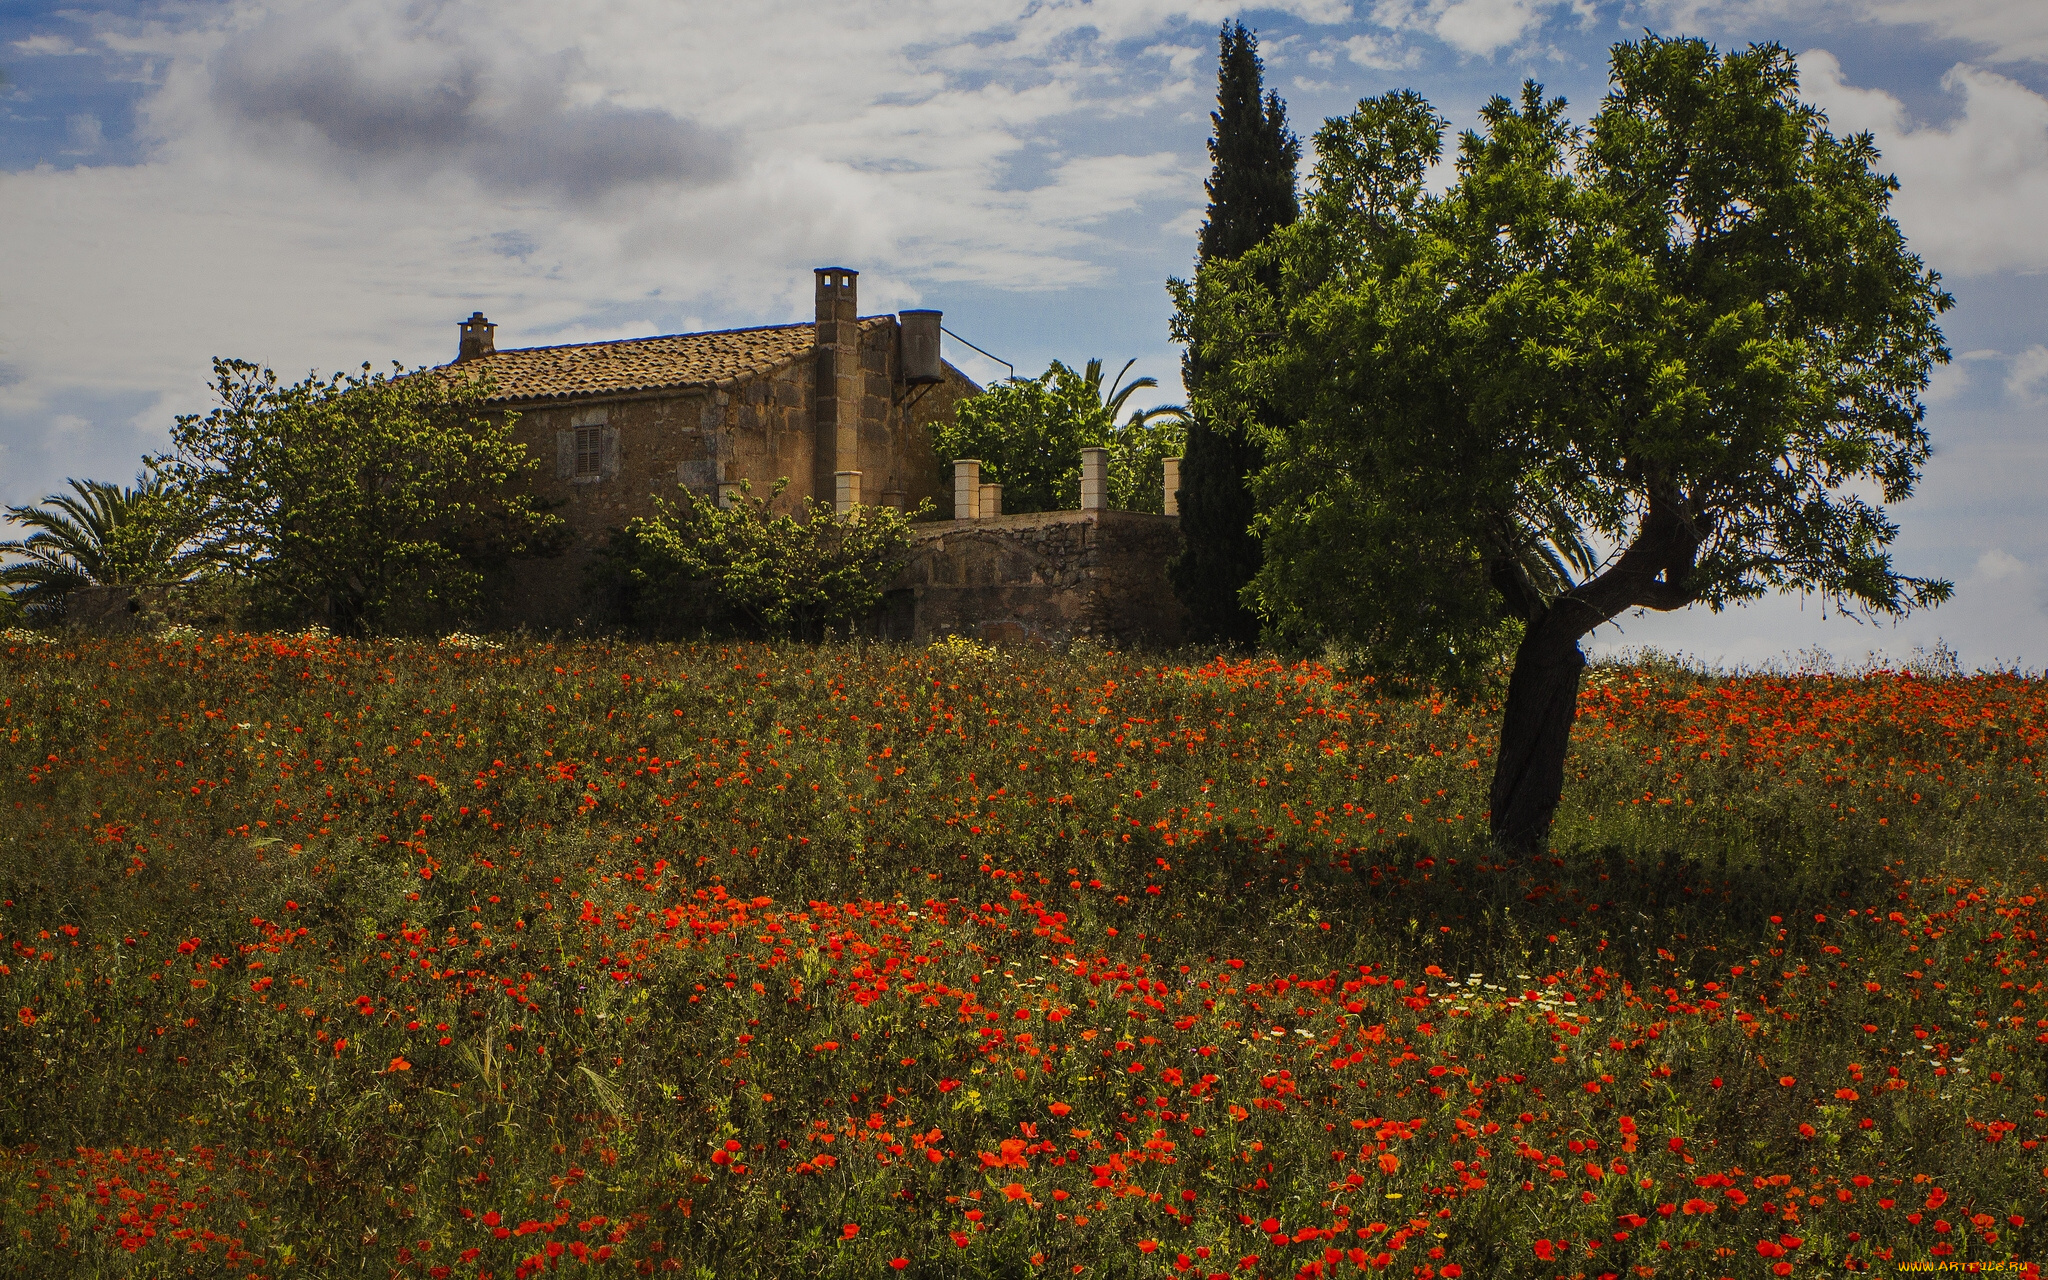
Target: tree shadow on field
[(1463, 905)]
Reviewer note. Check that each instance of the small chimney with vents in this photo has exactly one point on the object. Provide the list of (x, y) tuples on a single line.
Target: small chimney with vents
[(479, 338)]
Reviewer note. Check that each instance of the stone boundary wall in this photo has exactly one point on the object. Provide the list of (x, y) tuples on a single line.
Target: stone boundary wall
[(142, 607), (1049, 577), (1045, 578)]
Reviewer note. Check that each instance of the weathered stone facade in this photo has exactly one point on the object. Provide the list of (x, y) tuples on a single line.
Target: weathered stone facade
[(616, 424), (1048, 577)]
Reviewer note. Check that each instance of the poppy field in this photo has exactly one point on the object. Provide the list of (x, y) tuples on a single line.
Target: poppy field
[(426, 960)]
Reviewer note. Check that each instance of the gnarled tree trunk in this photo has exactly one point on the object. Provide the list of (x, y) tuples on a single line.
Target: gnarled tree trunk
[(1543, 692), (1535, 733)]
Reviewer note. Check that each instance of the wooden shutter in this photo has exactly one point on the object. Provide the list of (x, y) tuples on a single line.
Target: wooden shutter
[(565, 454), (608, 438)]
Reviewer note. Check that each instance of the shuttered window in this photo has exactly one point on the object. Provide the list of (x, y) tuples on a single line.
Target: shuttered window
[(587, 452)]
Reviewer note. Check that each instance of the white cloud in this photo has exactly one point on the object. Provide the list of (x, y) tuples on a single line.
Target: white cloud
[(1381, 53), (2013, 30), (1998, 565), (1181, 59), (1971, 191), (82, 131), (1187, 224), (2027, 378), (1946, 382), (435, 100), (2009, 30), (1090, 188), (48, 46), (1477, 28), (1482, 26)]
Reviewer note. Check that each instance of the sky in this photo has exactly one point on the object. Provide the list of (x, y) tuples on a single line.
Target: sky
[(316, 185)]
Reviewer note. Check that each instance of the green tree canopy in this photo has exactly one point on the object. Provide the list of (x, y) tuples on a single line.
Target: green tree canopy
[(372, 502), (98, 534), (1028, 434), (1672, 358)]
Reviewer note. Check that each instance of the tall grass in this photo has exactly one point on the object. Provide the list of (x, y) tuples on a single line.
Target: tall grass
[(375, 959)]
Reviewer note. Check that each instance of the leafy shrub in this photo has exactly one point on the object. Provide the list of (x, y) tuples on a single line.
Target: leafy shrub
[(697, 567)]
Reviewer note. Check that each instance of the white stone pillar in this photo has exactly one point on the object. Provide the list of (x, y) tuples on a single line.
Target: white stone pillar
[(991, 501), (845, 491), (1172, 506), (966, 488), (729, 496), (1094, 479)]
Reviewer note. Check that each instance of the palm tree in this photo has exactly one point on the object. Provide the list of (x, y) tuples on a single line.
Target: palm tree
[(1112, 400), (1138, 445), (99, 534)]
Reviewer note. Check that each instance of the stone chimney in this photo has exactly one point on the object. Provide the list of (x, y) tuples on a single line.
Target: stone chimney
[(837, 389), (479, 338)]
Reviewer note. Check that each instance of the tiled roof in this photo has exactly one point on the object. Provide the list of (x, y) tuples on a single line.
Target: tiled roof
[(641, 364)]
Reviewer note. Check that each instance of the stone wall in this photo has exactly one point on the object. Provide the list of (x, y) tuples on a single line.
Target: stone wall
[(1046, 578), (145, 607), (1049, 578)]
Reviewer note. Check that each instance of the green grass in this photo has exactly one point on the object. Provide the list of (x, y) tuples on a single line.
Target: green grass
[(376, 959)]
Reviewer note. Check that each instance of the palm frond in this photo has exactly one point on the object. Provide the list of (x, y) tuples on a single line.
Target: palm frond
[(99, 533)]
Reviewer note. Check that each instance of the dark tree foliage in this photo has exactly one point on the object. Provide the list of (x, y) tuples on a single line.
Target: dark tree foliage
[(1673, 357), (1251, 191), (99, 533), (1253, 154), (1219, 554)]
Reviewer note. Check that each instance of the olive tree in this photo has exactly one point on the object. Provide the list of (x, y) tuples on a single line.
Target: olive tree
[(1674, 357)]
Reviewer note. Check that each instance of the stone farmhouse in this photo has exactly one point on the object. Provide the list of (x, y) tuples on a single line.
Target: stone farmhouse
[(838, 405)]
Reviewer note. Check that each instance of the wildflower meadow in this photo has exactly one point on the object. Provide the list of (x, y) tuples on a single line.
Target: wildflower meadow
[(427, 960)]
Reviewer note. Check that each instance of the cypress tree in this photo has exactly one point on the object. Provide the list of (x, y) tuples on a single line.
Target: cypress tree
[(1252, 154), (1251, 191)]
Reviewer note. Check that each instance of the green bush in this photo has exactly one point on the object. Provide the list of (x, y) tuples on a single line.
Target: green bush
[(697, 567)]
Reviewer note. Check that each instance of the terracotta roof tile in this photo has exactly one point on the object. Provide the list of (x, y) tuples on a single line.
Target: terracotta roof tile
[(641, 364)]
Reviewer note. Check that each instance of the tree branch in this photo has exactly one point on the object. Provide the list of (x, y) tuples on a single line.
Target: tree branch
[(1651, 574), (1512, 581)]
